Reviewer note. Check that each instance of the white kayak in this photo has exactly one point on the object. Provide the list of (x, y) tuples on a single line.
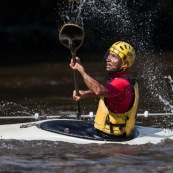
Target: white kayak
[(79, 132)]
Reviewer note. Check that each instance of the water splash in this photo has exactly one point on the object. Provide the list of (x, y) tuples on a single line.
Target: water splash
[(15, 109), (114, 19), (159, 86), (167, 101), (170, 80), (10, 108), (134, 22)]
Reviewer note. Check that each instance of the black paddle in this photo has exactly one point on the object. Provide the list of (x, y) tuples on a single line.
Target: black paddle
[(72, 36)]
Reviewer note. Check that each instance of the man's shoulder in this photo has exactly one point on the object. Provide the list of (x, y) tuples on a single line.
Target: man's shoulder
[(123, 80), (119, 83)]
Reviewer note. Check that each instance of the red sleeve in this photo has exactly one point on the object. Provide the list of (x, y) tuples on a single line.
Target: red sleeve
[(117, 87)]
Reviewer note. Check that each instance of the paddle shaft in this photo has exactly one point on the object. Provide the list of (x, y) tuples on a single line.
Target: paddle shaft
[(76, 84), (72, 37)]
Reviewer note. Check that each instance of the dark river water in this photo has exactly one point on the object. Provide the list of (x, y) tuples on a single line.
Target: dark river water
[(47, 89)]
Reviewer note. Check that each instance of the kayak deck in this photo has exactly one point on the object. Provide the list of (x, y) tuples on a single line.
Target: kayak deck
[(82, 129), (34, 131)]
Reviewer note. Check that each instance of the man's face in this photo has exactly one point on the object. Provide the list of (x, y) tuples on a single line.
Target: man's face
[(113, 62)]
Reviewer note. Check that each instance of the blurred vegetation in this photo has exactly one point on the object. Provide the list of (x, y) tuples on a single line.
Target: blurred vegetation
[(29, 29)]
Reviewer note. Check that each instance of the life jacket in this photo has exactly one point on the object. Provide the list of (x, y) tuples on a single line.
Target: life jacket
[(117, 123)]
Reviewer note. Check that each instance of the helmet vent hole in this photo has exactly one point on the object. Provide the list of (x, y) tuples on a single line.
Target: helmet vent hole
[(121, 47), (125, 46)]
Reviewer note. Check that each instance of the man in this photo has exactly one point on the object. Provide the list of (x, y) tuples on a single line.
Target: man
[(118, 103)]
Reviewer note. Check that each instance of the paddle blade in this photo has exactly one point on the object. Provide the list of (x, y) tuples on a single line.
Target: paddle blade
[(71, 36)]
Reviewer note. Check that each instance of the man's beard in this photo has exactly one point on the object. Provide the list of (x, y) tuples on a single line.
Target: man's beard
[(110, 72)]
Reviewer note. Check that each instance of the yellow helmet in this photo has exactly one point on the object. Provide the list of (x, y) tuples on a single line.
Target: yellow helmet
[(125, 51)]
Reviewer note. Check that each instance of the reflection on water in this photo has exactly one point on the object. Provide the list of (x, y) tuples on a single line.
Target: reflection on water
[(47, 89)]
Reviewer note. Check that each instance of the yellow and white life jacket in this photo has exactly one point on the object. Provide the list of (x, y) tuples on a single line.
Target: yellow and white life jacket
[(116, 124)]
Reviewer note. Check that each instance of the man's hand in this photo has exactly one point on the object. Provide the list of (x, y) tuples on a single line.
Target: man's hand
[(81, 95), (76, 65)]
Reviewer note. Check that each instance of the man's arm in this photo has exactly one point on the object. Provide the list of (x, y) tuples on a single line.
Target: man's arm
[(83, 94), (97, 88)]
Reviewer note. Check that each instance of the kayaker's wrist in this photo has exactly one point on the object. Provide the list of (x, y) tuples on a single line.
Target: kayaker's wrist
[(81, 70)]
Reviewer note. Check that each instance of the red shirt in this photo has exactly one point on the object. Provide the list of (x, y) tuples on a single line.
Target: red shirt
[(120, 94)]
